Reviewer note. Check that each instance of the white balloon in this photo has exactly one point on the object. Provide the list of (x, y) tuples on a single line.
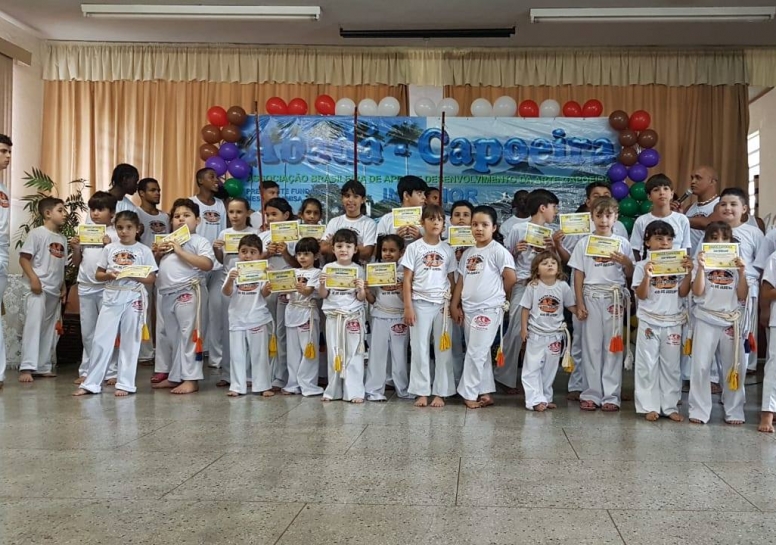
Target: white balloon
[(449, 106), (425, 107), (481, 107), (345, 106), (388, 107), (549, 108), (505, 107), (367, 107)]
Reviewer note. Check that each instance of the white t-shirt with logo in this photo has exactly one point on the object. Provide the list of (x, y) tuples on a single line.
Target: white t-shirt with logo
[(297, 315), (157, 224), (343, 299), (49, 258), (276, 262), (663, 296), (482, 270), (524, 259), (599, 271), (430, 265), (679, 222), (5, 228), (388, 298), (247, 307), (545, 304), (719, 295), (570, 241), (365, 228), (229, 259), (212, 218), (751, 242), (175, 274), (697, 211), (116, 256), (510, 224), (91, 256)]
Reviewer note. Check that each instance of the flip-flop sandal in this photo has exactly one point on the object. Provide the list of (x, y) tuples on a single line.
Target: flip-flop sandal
[(587, 406), (159, 377), (610, 408)]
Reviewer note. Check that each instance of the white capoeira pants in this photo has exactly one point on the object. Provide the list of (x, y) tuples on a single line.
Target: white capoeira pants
[(428, 317), (389, 335), (508, 374), (276, 303), (480, 329), (540, 365), (602, 368), (212, 319), (89, 305), (577, 382), (127, 322), (709, 340), (349, 383), (39, 334), (658, 377), (250, 348), (303, 372), (147, 347), (3, 285), (769, 380), (176, 353)]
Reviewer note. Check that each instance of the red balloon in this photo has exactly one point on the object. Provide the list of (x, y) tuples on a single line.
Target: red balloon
[(297, 106), (528, 108), (572, 109), (639, 121), (324, 105), (592, 108), (276, 106), (217, 116)]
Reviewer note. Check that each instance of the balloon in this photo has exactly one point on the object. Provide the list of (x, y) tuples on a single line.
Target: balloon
[(236, 116), (325, 105), (231, 133), (639, 192), (592, 108), (649, 158), (628, 138), (528, 108), (211, 134), (504, 107), (648, 139), (206, 151), (425, 107), (639, 121), (239, 169), (233, 187), (217, 116), (276, 106), (645, 207), (448, 106), (481, 107), (345, 106), (629, 207), (388, 107), (297, 106), (549, 108), (367, 107), (618, 120), (228, 151), (572, 109), (217, 164), (619, 190), (638, 173), (617, 172), (627, 222), (628, 156)]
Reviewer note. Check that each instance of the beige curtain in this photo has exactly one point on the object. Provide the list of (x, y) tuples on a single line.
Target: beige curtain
[(92, 126), (696, 125), (6, 97)]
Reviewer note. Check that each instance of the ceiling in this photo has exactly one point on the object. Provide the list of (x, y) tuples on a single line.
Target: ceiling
[(62, 20)]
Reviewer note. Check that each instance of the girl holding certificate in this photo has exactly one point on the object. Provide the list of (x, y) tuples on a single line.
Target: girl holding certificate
[(460, 216), (661, 315)]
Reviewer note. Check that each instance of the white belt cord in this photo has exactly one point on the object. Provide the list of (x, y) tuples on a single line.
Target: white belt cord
[(734, 318), (617, 294)]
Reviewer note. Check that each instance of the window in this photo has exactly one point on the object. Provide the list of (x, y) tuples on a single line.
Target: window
[(753, 149)]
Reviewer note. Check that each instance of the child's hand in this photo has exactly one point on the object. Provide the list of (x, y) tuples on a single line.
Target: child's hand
[(106, 239), (35, 286), (301, 285), (620, 259), (687, 264), (549, 242), (75, 243), (524, 333), (322, 278), (701, 260), (649, 269), (409, 315), (112, 274), (176, 247), (740, 265), (411, 231), (165, 247), (359, 282), (266, 290), (232, 275), (457, 315), (581, 312), (557, 237), (521, 246), (281, 247), (218, 244)]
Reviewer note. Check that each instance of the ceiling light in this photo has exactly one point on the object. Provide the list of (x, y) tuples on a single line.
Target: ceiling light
[(652, 15), (430, 33), (209, 12)]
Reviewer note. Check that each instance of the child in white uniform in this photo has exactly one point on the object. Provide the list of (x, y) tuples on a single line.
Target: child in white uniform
[(486, 276), (719, 299), (662, 314), (43, 258), (543, 329), (183, 300), (389, 332), (460, 215), (412, 192), (768, 296), (428, 275), (123, 308), (601, 295), (250, 327), (302, 323), (353, 197), (660, 193), (344, 309)]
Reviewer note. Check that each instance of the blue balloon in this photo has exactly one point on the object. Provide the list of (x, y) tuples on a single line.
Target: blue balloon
[(619, 190), (617, 172), (239, 169), (228, 151), (638, 172), (217, 164), (649, 158)]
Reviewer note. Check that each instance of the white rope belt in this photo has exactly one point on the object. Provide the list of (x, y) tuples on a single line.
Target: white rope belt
[(617, 294), (342, 317)]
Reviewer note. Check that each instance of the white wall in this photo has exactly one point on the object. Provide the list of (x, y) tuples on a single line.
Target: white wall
[(762, 117)]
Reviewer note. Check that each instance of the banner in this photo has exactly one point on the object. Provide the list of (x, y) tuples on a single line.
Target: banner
[(485, 159)]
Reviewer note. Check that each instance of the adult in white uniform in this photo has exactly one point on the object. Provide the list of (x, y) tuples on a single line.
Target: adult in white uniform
[(5, 238)]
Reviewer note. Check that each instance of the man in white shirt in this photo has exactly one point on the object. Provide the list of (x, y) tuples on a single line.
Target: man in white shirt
[(5, 239), (704, 186)]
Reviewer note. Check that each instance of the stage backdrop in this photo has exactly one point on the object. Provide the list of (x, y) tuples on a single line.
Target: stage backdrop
[(485, 159)]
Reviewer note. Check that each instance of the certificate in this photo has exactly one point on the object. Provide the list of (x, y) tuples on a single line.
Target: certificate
[(381, 274), (284, 231), (410, 216), (181, 235), (91, 235), (158, 239), (339, 278), (535, 234), (232, 242), (282, 281), (720, 255), (250, 272), (460, 236), (667, 262), (602, 246), (135, 271), (311, 231), (575, 224)]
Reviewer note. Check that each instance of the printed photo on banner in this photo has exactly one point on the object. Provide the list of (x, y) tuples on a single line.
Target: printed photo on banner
[(283, 281), (407, 217), (575, 224), (602, 246), (338, 278), (380, 274), (720, 255), (90, 234), (535, 235), (667, 262), (284, 231), (250, 272), (311, 231), (460, 236)]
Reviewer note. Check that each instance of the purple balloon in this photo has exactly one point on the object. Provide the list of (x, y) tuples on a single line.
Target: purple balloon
[(620, 190), (649, 158), (217, 164), (228, 151), (239, 169), (618, 172), (638, 172)]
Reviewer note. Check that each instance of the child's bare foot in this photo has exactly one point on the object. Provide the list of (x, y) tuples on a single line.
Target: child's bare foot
[(734, 422), (573, 396), (437, 402), (695, 421), (79, 380), (268, 393), (421, 401), (766, 422), (587, 405), (186, 387), (676, 417), (357, 400), (552, 406), (287, 393), (222, 383), (715, 388), (45, 375), (164, 384), (540, 408), (486, 401), (326, 399), (110, 382), (81, 392), (232, 393), (610, 408), (652, 416), (25, 376), (472, 404), (120, 393), (510, 391), (158, 377)]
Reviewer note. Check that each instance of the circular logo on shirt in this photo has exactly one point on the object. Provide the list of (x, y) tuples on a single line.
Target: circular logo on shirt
[(247, 287), (720, 277), (4, 200), (549, 304), (399, 329), (157, 227), (353, 326), (138, 305), (481, 322), (211, 217), (674, 339), (57, 250), (602, 259), (555, 347), (124, 258), (433, 259), (305, 326), (730, 332), (665, 282), (185, 298), (616, 309), (474, 264), (649, 334)]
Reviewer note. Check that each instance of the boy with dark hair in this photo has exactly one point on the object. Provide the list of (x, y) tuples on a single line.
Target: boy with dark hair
[(269, 190), (433, 196), (353, 196), (412, 192), (519, 212), (5, 239), (660, 192), (123, 182)]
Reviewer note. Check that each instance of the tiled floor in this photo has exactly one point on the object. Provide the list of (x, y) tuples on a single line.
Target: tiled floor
[(156, 468)]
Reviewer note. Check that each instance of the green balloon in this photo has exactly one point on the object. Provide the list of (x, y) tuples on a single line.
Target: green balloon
[(629, 207), (628, 222), (639, 192), (234, 187), (645, 207)]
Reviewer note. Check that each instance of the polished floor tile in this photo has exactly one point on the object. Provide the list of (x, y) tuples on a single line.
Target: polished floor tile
[(754, 481)]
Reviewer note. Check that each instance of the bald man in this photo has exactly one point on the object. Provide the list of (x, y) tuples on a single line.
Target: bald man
[(704, 184)]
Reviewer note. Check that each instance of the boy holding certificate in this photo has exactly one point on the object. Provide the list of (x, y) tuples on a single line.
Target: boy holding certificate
[(353, 196), (412, 192)]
